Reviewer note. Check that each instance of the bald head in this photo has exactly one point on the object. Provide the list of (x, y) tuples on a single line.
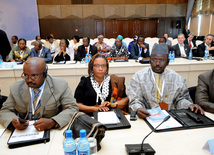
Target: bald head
[(36, 62), (33, 69)]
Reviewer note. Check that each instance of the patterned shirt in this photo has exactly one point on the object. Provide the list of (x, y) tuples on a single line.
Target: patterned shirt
[(118, 51), (142, 88)]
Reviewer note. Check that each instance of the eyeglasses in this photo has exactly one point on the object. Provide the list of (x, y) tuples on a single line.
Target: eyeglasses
[(161, 61), (32, 77), (98, 66)]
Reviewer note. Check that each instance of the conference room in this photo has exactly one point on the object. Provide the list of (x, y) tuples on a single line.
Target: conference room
[(114, 29)]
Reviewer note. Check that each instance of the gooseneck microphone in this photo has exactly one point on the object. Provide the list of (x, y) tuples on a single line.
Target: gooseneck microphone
[(142, 151)]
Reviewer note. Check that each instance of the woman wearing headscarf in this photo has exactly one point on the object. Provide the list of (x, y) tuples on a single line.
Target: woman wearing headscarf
[(100, 91), (102, 47), (119, 51)]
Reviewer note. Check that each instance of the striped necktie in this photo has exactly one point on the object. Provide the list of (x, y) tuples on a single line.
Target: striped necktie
[(36, 107)]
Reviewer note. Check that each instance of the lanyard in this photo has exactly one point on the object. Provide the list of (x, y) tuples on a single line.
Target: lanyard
[(39, 98), (160, 92), (99, 92)]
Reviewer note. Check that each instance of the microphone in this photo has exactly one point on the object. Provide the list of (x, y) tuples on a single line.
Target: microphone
[(165, 119), (143, 149)]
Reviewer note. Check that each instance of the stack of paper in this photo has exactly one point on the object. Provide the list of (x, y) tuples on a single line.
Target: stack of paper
[(108, 117)]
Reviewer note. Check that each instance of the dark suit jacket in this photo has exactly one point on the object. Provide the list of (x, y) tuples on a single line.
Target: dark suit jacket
[(186, 32), (178, 52), (81, 52), (4, 45), (204, 95), (201, 48), (193, 41), (135, 51), (45, 54)]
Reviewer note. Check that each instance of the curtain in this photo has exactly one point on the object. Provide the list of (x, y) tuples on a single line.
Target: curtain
[(203, 7), (19, 17)]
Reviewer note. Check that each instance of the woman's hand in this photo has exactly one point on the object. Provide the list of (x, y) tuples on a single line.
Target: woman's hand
[(102, 108)]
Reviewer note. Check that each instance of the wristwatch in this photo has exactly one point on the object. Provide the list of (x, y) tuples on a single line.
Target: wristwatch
[(116, 104)]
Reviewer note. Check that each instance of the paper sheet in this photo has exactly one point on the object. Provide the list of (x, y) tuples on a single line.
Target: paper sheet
[(70, 62), (29, 133), (1, 132), (108, 117), (171, 123)]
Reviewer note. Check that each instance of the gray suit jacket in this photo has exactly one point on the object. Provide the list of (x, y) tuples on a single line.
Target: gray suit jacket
[(57, 102), (204, 95), (45, 54)]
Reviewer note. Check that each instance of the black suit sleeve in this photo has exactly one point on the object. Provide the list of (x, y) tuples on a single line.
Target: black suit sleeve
[(93, 50), (79, 54), (200, 50), (133, 51)]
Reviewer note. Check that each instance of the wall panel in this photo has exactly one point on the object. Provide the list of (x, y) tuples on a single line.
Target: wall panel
[(72, 11), (212, 26), (194, 25), (205, 24)]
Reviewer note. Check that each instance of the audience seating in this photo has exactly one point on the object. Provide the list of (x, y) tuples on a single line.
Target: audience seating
[(110, 42)]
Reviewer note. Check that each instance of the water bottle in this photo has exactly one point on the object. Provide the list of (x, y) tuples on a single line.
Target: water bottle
[(190, 54), (83, 145), (1, 61), (173, 56), (89, 57), (69, 144), (86, 58), (206, 54), (170, 56)]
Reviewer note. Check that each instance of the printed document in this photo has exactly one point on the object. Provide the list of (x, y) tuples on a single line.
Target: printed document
[(30, 133), (171, 123)]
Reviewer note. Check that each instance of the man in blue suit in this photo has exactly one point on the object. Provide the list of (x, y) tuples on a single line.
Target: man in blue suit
[(140, 49), (40, 51)]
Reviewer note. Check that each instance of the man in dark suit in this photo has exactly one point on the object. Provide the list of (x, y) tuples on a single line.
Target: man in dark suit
[(208, 44), (140, 49), (186, 32), (40, 51), (192, 43), (84, 49), (181, 49), (4, 45)]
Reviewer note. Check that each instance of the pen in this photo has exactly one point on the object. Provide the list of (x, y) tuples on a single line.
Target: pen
[(117, 114)]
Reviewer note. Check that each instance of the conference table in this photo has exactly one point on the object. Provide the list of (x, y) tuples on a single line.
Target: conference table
[(180, 142), (188, 69)]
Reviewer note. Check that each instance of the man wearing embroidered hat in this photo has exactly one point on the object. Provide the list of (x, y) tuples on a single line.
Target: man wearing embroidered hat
[(158, 86)]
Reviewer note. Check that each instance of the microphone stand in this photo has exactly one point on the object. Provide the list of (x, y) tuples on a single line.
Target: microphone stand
[(142, 151)]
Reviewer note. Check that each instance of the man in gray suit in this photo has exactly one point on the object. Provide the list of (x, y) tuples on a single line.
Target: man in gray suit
[(40, 51), (181, 49), (168, 42), (204, 95), (38, 97)]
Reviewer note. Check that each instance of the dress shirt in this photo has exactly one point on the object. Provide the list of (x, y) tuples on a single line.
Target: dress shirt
[(182, 50), (32, 97)]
